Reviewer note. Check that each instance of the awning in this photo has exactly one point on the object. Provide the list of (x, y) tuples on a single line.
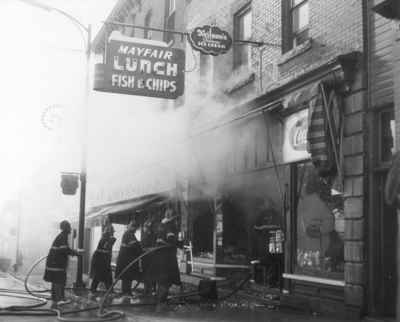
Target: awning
[(121, 211), (301, 97)]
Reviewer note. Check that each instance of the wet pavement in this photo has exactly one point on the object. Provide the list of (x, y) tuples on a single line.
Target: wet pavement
[(230, 310)]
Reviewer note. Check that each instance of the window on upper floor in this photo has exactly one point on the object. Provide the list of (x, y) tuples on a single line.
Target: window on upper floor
[(295, 23), (242, 31), (147, 22), (170, 7), (129, 30)]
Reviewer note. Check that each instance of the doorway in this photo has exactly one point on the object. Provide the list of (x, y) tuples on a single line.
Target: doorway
[(386, 253)]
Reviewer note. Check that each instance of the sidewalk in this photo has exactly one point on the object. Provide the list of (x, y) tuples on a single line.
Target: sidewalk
[(235, 309)]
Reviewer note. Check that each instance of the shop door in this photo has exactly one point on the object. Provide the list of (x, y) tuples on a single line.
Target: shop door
[(387, 255)]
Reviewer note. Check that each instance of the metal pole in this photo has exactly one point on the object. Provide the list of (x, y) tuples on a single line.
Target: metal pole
[(83, 175)]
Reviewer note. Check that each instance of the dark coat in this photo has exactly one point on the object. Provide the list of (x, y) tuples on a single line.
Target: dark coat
[(57, 260), (130, 249), (101, 261), (162, 265), (260, 238)]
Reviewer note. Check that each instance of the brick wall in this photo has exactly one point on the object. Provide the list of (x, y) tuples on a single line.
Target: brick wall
[(335, 28)]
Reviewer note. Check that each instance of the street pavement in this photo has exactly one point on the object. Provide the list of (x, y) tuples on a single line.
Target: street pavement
[(225, 311)]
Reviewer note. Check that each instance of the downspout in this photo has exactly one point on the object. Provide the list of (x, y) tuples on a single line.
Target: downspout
[(368, 300)]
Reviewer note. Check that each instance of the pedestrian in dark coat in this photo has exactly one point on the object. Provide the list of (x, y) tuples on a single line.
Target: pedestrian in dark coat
[(57, 261), (129, 251), (101, 261), (164, 269)]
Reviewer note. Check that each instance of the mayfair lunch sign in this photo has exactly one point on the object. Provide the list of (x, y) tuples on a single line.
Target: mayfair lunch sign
[(210, 40), (141, 69)]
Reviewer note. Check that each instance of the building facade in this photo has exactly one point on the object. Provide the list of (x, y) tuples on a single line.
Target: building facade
[(384, 103), (294, 123), (259, 105)]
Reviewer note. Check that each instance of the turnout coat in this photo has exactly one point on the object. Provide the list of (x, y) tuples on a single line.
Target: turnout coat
[(100, 268), (130, 249), (57, 260), (162, 265)]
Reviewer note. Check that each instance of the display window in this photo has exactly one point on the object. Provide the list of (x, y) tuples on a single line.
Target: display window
[(319, 224)]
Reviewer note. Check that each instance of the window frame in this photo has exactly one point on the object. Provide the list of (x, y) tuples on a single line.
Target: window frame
[(169, 21), (237, 50), (293, 232), (147, 34), (289, 36), (379, 144)]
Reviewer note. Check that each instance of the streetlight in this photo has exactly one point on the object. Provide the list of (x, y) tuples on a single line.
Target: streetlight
[(87, 43)]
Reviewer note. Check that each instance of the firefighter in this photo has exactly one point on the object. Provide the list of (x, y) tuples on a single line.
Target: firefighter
[(130, 249), (57, 261), (101, 261), (148, 243), (164, 270)]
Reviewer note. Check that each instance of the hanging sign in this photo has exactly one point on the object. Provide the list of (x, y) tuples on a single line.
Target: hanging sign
[(142, 69), (295, 137), (210, 40)]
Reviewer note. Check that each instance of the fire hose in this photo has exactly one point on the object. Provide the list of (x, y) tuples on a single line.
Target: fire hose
[(102, 315)]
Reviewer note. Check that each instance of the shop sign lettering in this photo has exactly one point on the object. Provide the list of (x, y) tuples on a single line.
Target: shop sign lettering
[(295, 137), (141, 69), (298, 135), (210, 40)]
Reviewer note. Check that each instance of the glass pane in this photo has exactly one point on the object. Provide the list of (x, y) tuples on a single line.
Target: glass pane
[(387, 136), (300, 17), (320, 224), (246, 25)]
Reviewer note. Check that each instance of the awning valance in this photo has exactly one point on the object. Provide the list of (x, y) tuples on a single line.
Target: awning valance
[(121, 211)]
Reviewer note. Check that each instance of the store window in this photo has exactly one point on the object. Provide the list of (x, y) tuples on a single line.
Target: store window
[(295, 20), (242, 31), (387, 136), (320, 225)]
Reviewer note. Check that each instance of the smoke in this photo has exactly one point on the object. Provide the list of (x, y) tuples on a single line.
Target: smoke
[(134, 145)]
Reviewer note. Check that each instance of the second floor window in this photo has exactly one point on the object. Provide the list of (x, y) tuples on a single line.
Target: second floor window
[(242, 31), (295, 23), (132, 30), (147, 21), (169, 19)]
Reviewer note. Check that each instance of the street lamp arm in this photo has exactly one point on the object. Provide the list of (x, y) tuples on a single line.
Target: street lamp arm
[(75, 21)]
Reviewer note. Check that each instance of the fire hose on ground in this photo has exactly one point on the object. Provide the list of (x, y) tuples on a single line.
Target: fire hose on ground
[(102, 314)]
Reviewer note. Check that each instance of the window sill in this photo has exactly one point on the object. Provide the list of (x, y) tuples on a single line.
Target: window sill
[(296, 51), (311, 279)]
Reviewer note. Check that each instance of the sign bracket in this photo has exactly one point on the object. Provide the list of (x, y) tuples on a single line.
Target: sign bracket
[(184, 33)]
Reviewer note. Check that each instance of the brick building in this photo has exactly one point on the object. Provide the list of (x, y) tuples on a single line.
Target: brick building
[(284, 125), (251, 128), (384, 102)]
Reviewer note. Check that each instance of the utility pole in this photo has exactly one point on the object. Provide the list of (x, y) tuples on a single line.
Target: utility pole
[(85, 111)]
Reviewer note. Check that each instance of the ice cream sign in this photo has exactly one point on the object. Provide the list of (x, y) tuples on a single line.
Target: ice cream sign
[(141, 67), (210, 40)]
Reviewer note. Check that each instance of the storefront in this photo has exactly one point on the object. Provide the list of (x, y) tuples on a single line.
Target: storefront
[(294, 153)]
